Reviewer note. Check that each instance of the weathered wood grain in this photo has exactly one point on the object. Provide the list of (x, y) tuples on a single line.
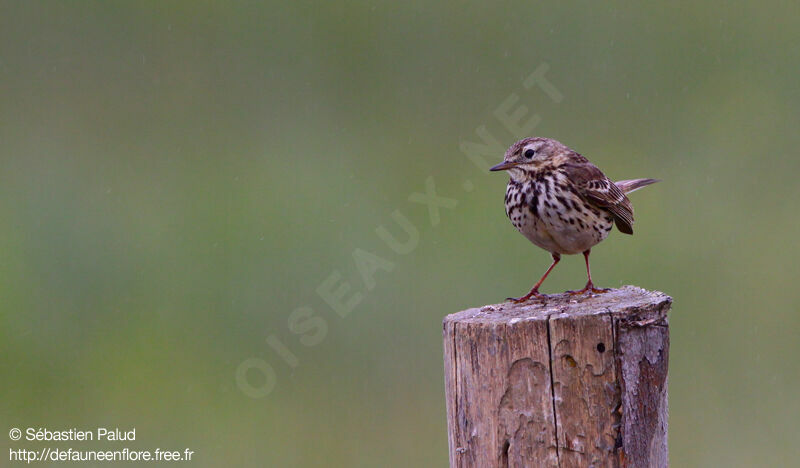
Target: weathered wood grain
[(567, 381)]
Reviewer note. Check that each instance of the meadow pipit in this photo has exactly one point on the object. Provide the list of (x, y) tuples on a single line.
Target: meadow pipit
[(563, 203)]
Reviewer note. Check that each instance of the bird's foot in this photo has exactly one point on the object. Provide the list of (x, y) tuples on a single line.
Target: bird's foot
[(527, 297), (588, 288)]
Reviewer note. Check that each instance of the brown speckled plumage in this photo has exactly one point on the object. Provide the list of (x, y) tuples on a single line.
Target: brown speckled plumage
[(561, 202)]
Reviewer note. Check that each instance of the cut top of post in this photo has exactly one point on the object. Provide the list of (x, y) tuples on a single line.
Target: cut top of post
[(622, 302)]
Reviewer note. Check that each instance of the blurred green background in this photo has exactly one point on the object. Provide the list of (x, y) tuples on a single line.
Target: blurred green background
[(177, 177)]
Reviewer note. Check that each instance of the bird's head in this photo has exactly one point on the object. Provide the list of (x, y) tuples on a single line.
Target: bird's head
[(528, 155)]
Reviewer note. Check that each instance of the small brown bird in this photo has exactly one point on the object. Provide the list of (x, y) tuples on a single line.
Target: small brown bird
[(563, 203)]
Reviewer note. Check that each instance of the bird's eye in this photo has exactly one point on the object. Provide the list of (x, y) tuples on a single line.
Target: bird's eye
[(529, 153)]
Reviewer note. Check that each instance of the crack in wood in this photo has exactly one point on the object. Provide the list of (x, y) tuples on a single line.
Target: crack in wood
[(552, 390)]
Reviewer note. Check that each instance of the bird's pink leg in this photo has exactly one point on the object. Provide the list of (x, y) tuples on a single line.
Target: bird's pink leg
[(534, 292), (589, 285)]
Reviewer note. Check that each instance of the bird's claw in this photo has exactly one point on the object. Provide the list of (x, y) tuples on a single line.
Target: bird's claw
[(589, 288), (526, 298)]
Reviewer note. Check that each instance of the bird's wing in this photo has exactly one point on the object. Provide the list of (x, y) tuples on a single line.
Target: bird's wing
[(595, 187)]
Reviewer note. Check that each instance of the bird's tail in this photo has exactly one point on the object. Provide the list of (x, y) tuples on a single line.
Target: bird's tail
[(628, 186)]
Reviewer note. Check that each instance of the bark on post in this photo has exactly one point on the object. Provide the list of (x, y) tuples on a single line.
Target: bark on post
[(568, 381)]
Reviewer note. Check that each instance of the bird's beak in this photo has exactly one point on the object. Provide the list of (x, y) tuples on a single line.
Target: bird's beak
[(505, 165)]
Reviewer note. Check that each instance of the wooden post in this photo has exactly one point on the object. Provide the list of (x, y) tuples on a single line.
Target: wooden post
[(568, 381)]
